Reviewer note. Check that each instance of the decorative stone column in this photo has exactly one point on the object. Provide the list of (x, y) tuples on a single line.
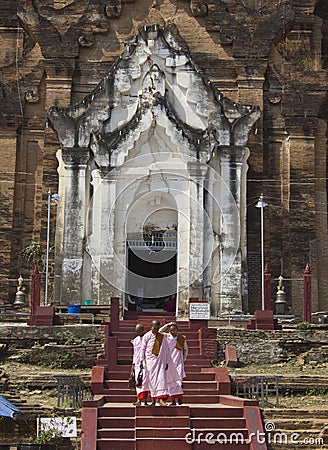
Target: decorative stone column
[(197, 173), (75, 160), (233, 223), (101, 242)]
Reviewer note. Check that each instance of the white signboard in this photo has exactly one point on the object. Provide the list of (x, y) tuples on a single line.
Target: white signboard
[(200, 311), (62, 426)]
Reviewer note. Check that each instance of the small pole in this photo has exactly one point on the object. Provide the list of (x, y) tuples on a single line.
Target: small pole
[(267, 290), (47, 250), (57, 198), (262, 204)]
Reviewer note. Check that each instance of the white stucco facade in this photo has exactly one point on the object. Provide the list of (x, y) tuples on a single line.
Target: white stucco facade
[(153, 169)]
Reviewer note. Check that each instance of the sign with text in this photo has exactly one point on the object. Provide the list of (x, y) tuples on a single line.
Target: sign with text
[(199, 311)]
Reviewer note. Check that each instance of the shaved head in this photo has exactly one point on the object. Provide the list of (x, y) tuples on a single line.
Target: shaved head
[(139, 329), (155, 326)]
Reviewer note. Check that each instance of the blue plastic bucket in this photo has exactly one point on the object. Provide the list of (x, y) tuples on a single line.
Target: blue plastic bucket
[(73, 309)]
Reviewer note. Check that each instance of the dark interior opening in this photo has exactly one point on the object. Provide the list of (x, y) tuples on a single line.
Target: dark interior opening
[(150, 265)]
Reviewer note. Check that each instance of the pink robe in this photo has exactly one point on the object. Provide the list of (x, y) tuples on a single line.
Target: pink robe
[(137, 344), (155, 366), (178, 357)]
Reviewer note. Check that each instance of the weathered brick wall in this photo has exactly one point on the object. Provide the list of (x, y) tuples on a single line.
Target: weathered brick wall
[(58, 347), (269, 55), (264, 347)]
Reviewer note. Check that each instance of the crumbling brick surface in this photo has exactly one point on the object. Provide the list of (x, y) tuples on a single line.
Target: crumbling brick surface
[(269, 54)]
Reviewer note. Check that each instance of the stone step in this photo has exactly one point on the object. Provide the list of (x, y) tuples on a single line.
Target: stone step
[(116, 411), (219, 411), (192, 364), (125, 342), (171, 432), (128, 351), (146, 422), (130, 334), (191, 375), (217, 423), (188, 392), (116, 422), (119, 375), (202, 361), (194, 398), (187, 385), (192, 367), (115, 444), (117, 433), (160, 412), (200, 376)]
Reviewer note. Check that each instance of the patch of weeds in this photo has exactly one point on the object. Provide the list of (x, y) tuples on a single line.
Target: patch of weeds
[(23, 358), (68, 339), (261, 334), (304, 326), (317, 392), (21, 386), (61, 362)]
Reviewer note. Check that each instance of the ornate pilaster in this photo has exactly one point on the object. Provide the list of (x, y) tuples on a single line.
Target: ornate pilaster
[(228, 285), (100, 243), (76, 195)]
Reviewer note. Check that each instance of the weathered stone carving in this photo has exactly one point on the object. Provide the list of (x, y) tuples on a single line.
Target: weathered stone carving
[(198, 8), (154, 102), (31, 97), (113, 9), (55, 33)]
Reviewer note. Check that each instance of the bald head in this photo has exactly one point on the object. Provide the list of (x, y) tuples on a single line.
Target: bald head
[(155, 326), (140, 329)]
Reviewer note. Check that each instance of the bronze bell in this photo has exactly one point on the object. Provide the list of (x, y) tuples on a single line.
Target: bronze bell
[(19, 299), (280, 303), (20, 296)]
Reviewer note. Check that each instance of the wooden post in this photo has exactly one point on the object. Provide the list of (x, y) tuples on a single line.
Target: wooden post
[(267, 289), (114, 314), (35, 295), (35, 290)]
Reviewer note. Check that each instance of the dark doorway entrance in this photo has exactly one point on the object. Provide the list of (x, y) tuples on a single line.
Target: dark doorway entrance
[(152, 277)]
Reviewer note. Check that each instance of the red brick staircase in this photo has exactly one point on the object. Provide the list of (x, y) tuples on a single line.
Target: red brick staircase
[(210, 417)]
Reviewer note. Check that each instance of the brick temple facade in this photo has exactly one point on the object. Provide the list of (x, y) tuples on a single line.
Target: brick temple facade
[(263, 61)]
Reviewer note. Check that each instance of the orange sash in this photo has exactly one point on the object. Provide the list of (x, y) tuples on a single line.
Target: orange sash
[(180, 342)]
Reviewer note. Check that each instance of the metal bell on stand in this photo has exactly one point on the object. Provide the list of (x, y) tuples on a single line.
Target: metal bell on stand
[(280, 303), (20, 297)]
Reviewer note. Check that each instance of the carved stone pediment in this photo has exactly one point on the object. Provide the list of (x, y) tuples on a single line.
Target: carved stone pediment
[(153, 85)]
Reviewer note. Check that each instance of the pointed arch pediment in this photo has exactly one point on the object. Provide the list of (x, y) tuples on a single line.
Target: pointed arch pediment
[(154, 83)]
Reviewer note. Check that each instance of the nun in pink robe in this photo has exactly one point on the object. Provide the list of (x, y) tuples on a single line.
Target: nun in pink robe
[(143, 391), (155, 358), (179, 352)]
